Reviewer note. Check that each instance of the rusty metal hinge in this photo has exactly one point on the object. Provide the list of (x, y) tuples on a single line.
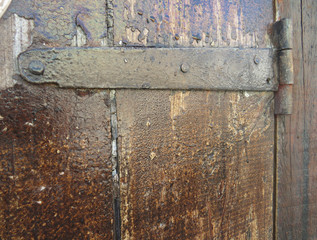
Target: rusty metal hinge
[(283, 42), (152, 68)]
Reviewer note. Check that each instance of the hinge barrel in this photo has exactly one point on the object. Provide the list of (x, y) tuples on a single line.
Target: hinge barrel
[(283, 41)]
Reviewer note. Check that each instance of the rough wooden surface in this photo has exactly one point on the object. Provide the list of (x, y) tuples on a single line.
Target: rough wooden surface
[(55, 144), (193, 164), (192, 23), (15, 37), (56, 22), (55, 164), (196, 165), (296, 155)]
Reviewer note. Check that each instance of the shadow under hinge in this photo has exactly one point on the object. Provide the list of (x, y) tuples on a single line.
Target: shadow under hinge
[(283, 42)]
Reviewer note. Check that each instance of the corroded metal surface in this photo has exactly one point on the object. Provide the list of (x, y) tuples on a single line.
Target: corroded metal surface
[(196, 165), (285, 73), (283, 41), (284, 99), (151, 68), (192, 23), (55, 167), (283, 34)]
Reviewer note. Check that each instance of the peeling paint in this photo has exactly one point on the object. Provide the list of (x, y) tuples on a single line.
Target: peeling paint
[(57, 21), (16, 37), (195, 22)]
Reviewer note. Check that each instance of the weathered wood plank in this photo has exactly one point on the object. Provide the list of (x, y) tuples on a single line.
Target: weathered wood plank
[(196, 165), (192, 23), (55, 171), (15, 37), (55, 145), (296, 155)]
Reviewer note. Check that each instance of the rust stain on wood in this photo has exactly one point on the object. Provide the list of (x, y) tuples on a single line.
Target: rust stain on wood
[(55, 166), (196, 165)]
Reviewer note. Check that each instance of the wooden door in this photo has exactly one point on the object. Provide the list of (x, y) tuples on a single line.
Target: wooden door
[(134, 164)]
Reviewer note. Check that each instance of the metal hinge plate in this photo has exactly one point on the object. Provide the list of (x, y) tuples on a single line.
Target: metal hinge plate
[(151, 68)]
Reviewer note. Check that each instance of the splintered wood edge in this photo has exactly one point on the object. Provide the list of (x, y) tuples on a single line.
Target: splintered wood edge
[(4, 4)]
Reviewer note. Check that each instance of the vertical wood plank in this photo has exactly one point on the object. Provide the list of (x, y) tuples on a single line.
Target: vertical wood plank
[(16, 36), (196, 165), (296, 155), (55, 164), (188, 166), (55, 144)]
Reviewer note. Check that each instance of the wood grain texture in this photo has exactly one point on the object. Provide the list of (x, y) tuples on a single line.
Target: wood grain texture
[(16, 36), (4, 4), (55, 144), (55, 172), (196, 165), (296, 155), (192, 23)]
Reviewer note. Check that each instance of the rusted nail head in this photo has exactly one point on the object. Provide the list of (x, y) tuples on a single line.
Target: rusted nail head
[(185, 67), (36, 67)]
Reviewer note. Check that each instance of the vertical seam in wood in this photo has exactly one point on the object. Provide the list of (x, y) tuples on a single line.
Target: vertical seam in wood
[(275, 13), (115, 165), (110, 22), (275, 185), (306, 157), (275, 157)]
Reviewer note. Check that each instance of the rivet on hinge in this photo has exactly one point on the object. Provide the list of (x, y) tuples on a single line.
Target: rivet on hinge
[(283, 42)]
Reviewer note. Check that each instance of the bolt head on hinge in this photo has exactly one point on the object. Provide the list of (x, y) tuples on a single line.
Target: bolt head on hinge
[(36, 67), (257, 60), (185, 67)]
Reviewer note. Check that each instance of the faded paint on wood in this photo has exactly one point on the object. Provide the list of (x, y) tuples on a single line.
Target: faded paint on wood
[(55, 164), (196, 165), (296, 145), (15, 37), (4, 4), (192, 23), (57, 22)]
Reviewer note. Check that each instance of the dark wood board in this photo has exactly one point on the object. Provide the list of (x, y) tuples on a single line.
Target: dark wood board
[(55, 144), (55, 172)]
